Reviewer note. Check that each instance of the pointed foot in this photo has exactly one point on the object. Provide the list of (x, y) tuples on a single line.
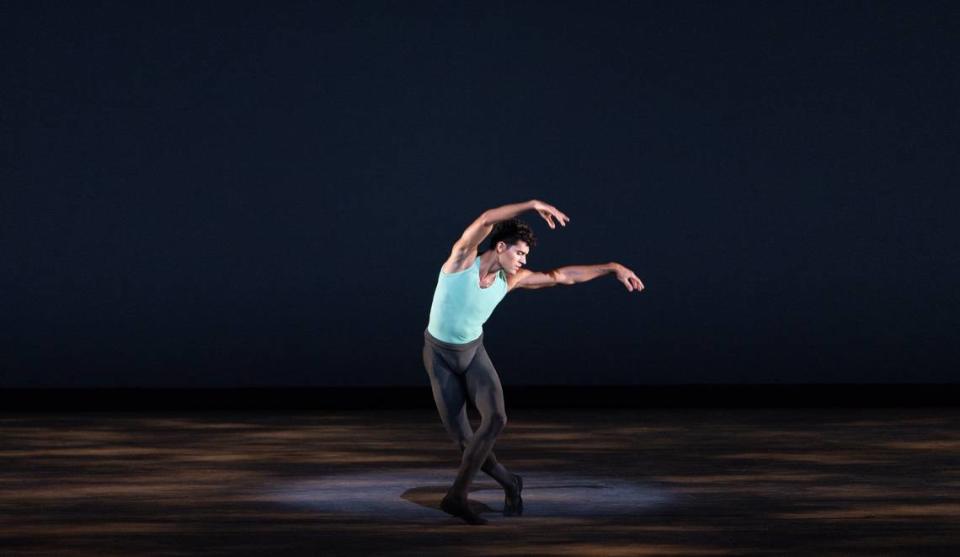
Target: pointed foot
[(513, 503)]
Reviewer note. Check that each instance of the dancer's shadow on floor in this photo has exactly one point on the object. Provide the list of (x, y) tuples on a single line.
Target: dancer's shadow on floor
[(429, 496)]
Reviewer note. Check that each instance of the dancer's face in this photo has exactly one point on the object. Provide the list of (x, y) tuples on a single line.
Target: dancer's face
[(512, 257)]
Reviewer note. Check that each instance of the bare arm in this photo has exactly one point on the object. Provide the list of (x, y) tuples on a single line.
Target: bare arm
[(466, 247), (576, 274), (479, 229)]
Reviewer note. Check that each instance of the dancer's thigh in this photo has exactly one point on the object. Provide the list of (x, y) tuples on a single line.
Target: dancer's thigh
[(484, 388), (449, 392)]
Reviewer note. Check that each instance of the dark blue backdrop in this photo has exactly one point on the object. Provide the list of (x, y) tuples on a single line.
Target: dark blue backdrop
[(240, 194)]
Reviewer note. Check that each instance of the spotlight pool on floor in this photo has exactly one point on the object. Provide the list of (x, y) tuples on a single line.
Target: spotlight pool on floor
[(414, 494)]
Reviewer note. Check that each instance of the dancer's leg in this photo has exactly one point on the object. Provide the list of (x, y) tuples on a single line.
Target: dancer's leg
[(511, 483), (463, 434), (449, 394), (483, 387)]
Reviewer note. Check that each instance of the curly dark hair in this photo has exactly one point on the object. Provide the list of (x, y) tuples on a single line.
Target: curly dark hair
[(510, 232)]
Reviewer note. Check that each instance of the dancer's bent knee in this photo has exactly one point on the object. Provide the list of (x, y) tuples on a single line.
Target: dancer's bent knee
[(494, 422)]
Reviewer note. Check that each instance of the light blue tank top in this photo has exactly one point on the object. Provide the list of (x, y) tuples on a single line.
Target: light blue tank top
[(460, 307)]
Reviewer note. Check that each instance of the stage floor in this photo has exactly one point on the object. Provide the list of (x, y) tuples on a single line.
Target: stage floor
[(616, 482)]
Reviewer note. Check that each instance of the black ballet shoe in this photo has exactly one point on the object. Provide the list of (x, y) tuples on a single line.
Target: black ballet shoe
[(462, 510), (513, 506)]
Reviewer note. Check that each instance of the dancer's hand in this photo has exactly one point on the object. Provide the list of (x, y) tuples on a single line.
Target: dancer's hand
[(549, 212), (628, 278)]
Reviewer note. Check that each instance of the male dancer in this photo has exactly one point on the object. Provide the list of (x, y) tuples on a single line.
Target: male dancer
[(469, 288)]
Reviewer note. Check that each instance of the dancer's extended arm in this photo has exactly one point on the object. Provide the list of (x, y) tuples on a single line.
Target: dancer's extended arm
[(577, 273)]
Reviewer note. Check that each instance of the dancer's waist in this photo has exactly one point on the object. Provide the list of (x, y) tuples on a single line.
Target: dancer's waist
[(450, 346)]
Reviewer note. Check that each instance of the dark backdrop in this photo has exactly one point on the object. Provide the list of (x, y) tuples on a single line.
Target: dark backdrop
[(252, 194)]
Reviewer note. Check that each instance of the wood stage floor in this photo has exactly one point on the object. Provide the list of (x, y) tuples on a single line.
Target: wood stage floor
[(596, 482)]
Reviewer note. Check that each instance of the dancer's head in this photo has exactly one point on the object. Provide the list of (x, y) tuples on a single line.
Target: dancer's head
[(512, 240)]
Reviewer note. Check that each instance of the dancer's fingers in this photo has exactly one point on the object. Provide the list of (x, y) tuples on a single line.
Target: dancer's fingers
[(561, 218)]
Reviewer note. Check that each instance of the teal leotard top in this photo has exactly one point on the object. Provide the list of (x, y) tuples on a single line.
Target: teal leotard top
[(460, 307)]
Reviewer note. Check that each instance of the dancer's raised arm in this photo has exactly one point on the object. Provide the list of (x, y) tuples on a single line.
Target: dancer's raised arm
[(465, 249)]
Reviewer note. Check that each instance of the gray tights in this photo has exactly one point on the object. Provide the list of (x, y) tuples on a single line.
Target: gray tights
[(458, 371)]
